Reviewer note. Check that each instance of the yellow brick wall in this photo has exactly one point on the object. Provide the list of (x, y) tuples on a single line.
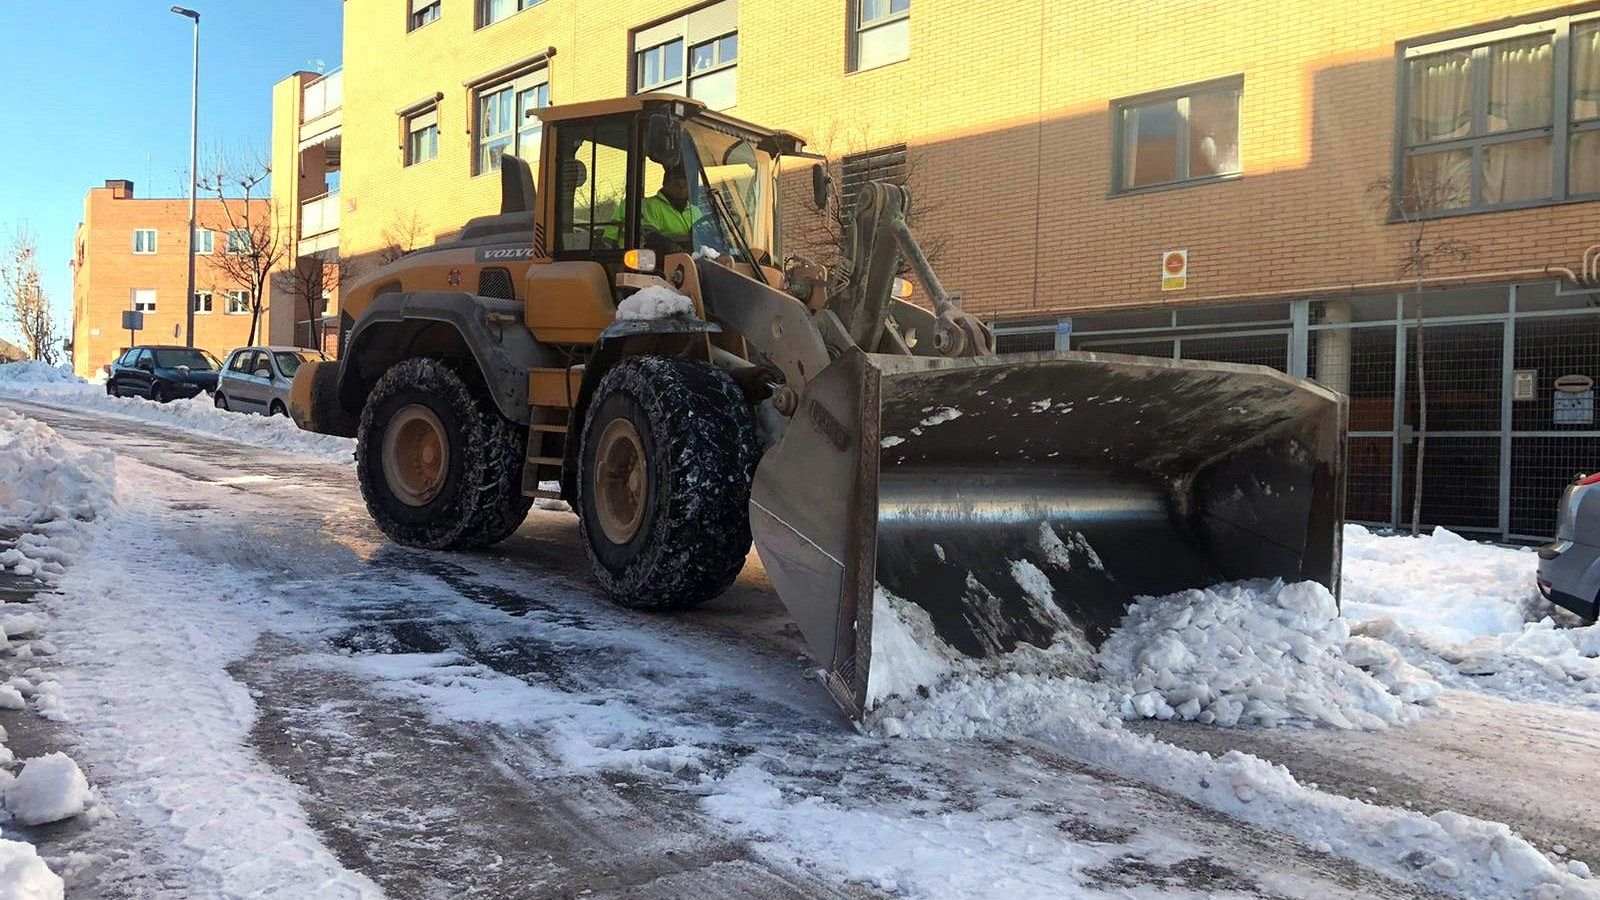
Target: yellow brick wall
[(1006, 107), (109, 271)]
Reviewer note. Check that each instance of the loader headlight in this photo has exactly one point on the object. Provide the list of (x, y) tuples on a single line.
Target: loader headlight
[(903, 288), (640, 260)]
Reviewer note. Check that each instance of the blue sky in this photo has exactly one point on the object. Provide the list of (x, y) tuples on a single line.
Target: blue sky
[(100, 89)]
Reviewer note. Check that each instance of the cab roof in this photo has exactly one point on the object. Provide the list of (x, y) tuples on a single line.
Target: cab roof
[(682, 107)]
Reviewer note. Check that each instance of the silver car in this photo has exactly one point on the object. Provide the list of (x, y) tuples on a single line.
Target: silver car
[(257, 379), (1569, 568)]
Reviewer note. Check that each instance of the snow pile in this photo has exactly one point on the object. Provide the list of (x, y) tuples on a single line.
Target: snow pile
[(1247, 653), (31, 371), (1469, 614), (196, 414), (655, 302), (49, 789), (47, 490), (24, 876), (1257, 653), (1441, 585)]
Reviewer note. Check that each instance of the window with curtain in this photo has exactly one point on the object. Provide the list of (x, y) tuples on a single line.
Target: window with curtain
[(1583, 157), (492, 11), (422, 136), (503, 123), (1188, 134), (882, 33), (1482, 126), (696, 55)]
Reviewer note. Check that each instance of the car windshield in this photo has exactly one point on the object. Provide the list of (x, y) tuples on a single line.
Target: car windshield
[(741, 175), (186, 357), (289, 361)]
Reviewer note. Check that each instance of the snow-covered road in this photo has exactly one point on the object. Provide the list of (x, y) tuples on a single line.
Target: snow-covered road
[(271, 700)]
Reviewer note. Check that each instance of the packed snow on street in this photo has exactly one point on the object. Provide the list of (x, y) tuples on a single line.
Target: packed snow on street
[(218, 679)]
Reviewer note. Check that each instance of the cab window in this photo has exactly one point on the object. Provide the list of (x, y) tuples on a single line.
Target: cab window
[(592, 187), (241, 358)]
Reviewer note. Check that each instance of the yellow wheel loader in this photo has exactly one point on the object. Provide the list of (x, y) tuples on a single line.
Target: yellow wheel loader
[(685, 387)]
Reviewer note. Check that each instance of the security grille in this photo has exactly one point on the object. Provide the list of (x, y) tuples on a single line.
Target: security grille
[(1502, 442), (883, 164)]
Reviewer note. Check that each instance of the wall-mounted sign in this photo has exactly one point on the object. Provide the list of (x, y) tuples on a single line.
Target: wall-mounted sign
[(1574, 384), (1174, 270), (1522, 384), (1574, 409)]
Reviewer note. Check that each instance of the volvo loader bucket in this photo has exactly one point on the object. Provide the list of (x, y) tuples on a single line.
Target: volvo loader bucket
[(1027, 499)]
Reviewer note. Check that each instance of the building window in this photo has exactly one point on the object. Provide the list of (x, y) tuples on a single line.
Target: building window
[(422, 12), (714, 71), (422, 136), (504, 125), (202, 301), (203, 241), (1185, 135), (661, 67), (696, 55), (144, 240), (144, 299), (1484, 125), (238, 303), (880, 33), (492, 11), (238, 241)]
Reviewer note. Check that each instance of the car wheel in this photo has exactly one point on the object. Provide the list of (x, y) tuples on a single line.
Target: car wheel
[(220, 401), (156, 394), (438, 465), (111, 389), (277, 409), (668, 452)]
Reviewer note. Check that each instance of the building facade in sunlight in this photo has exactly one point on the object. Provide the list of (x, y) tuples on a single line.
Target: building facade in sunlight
[(1245, 182), (131, 253)]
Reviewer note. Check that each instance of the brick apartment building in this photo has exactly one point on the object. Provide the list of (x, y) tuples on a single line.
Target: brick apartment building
[(132, 253), (1062, 150)]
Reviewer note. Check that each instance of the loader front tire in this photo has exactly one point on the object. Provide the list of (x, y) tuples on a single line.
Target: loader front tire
[(668, 452), (439, 466)]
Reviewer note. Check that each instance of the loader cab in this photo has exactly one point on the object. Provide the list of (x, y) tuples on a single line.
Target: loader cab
[(603, 168)]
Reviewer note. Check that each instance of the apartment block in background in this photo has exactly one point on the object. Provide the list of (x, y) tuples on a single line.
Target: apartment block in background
[(1239, 182), (132, 253), (307, 138)]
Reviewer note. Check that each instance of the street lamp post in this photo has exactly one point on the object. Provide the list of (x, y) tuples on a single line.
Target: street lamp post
[(194, 152)]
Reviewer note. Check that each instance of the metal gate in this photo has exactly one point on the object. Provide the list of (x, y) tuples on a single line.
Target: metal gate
[(1501, 440)]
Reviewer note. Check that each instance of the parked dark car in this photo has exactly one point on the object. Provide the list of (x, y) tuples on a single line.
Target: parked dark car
[(162, 373), (1569, 566), (257, 379)]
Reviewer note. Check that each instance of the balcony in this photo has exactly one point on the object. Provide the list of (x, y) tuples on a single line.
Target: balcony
[(319, 224), (320, 102)]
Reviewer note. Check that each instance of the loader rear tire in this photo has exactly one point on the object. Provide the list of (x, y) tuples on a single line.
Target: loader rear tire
[(454, 460), (668, 452)]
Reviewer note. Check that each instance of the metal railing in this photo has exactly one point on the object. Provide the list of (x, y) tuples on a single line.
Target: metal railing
[(1502, 440), (322, 96), (319, 215)]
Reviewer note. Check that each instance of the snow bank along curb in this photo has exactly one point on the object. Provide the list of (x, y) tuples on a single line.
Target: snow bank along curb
[(1468, 613), (50, 492), (196, 414)]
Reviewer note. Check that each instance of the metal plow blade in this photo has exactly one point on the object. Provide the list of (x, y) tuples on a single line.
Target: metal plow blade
[(1030, 498)]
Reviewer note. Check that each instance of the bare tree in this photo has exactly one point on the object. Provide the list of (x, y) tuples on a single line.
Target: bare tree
[(255, 237), (27, 306), (1413, 204), (402, 236), (826, 240), (309, 282)]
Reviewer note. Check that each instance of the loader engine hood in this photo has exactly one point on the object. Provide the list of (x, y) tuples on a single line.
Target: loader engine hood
[(1030, 498)]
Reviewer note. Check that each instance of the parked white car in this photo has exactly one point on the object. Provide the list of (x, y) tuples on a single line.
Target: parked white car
[(257, 379)]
